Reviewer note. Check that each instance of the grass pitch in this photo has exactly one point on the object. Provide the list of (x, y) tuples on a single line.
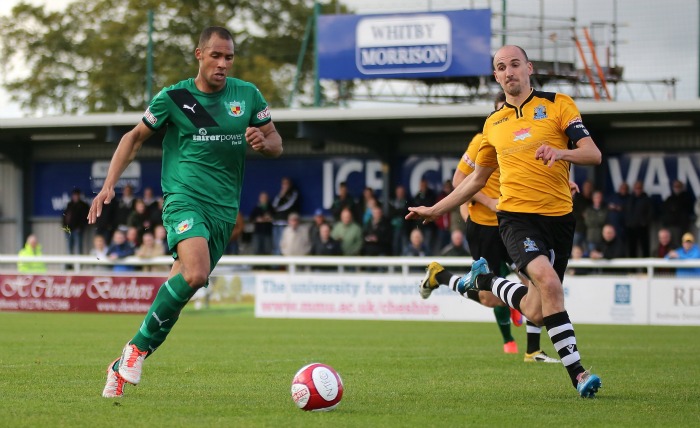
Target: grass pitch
[(223, 367)]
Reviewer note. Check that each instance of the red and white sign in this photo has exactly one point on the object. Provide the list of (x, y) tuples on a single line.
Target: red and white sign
[(106, 293)]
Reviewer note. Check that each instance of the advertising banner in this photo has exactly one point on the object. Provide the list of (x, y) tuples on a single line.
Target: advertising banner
[(405, 45), (675, 302), (590, 299), (368, 296), (116, 294), (318, 178)]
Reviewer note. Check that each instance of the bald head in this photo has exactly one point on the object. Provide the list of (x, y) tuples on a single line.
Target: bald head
[(512, 71)]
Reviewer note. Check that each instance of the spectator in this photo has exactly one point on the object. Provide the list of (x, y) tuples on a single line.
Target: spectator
[(326, 245), (456, 247), (149, 200), (638, 217), (581, 201), (342, 201), (442, 223), (133, 237), (261, 216), (377, 234), (32, 248), (150, 249), (315, 228), (364, 208), (125, 205), (366, 217), (155, 212), (106, 224), (348, 233), (676, 210), (664, 247), (616, 210), (577, 254), (595, 216), (120, 249), (161, 236), (398, 209), (425, 197), (99, 251), (688, 250), (295, 238), (234, 242), (610, 247), (283, 204), (75, 222), (139, 217), (416, 246)]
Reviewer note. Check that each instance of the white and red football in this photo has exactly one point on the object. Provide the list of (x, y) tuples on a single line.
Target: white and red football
[(317, 387)]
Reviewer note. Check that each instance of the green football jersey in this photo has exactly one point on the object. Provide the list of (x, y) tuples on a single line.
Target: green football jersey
[(204, 146)]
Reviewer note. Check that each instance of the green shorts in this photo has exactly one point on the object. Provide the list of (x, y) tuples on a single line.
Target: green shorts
[(188, 220)]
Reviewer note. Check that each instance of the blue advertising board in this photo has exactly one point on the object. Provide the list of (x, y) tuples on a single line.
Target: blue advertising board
[(405, 45)]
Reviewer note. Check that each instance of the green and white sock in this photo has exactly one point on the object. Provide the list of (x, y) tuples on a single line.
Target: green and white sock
[(172, 296)]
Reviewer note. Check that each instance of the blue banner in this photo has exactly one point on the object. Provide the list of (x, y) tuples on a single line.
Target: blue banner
[(405, 45), (318, 178)]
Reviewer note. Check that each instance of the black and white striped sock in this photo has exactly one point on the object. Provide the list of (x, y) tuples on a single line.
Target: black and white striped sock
[(510, 292), (561, 332)]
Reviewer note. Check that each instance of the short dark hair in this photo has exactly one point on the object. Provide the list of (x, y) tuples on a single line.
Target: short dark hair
[(500, 98), (523, 52), (210, 31)]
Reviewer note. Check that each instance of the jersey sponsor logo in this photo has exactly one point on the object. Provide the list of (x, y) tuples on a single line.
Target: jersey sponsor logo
[(191, 108), (264, 114), (150, 117), (236, 108), (540, 112), (522, 134), (498, 122), (235, 139), (184, 226), (530, 245)]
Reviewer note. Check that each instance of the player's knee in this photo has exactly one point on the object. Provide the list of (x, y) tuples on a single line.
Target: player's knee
[(195, 278)]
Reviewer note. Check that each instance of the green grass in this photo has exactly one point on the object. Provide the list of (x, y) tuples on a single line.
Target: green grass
[(223, 367)]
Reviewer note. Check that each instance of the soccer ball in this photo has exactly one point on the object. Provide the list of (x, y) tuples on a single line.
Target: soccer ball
[(317, 387)]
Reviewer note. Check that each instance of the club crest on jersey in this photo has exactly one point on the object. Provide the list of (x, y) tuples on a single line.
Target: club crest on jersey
[(530, 245), (235, 108), (184, 226), (540, 112), (522, 134)]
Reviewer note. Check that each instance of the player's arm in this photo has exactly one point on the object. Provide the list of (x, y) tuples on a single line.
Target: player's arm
[(585, 153), (126, 151), (461, 194), (265, 140), (480, 197)]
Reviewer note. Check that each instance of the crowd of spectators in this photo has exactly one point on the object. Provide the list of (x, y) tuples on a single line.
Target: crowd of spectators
[(608, 226), (363, 226)]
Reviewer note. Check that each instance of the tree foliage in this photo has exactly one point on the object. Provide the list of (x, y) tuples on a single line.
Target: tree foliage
[(92, 57)]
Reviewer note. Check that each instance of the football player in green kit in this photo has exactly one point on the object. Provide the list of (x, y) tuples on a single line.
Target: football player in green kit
[(209, 121)]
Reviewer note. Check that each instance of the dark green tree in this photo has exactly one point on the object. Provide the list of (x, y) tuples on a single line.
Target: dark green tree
[(92, 56)]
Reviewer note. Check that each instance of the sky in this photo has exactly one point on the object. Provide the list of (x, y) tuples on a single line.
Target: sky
[(650, 45)]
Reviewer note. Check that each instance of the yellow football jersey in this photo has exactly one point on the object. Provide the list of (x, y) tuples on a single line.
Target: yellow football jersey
[(480, 213), (510, 138)]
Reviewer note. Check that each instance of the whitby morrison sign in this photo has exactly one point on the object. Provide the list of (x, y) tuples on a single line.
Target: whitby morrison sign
[(407, 45)]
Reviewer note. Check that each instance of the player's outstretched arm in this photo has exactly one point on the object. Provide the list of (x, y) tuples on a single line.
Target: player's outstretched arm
[(265, 140), (126, 151), (461, 194)]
